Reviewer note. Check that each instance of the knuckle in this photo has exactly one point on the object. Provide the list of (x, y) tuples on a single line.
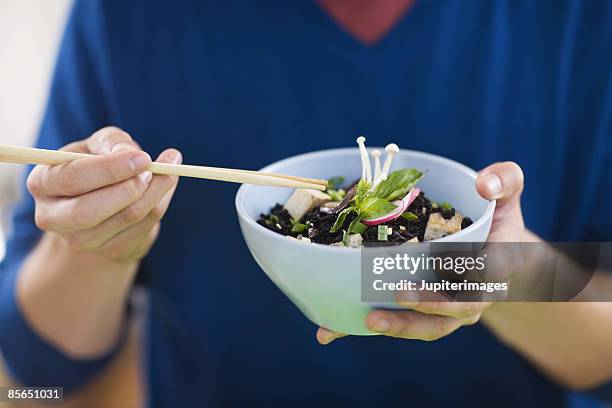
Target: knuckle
[(157, 213), (68, 179), (114, 133), (116, 172), (33, 183), (82, 215), (134, 213), (104, 139), (135, 188), (118, 135), (470, 309)]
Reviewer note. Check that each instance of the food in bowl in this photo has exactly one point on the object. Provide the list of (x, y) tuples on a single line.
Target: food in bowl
[(381, 208)]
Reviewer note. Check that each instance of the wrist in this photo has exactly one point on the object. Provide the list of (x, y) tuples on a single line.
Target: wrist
[(74, 299), (60, 247)]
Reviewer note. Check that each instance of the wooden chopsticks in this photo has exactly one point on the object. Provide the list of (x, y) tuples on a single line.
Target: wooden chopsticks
[(30, 155)]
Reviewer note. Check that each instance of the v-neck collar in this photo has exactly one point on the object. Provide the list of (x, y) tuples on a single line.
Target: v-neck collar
[(342, 42)]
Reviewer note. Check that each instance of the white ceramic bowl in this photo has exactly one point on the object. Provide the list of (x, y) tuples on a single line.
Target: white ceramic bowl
[(325, 282)]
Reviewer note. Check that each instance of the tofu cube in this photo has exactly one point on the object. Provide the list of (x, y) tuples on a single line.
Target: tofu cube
[(304, 200), (329, 207), (331, 204), (413, 240), (355, 240), (438, 226)]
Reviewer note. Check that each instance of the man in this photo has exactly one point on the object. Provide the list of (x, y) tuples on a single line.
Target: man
[(246, 83)]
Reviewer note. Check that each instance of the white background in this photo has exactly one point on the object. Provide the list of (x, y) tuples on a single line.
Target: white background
[(30, 31)]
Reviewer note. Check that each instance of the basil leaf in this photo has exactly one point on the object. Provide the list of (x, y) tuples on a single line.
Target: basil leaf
[(373, 207), (340, 220), (335, 182), (397, 184), (356, 227), (297, 227), (409, 216), (362, 192)]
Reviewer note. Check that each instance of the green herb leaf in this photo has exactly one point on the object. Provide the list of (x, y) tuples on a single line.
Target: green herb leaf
[(356, 227), (335, 182), (397, 184), (410, 216), (382, 233), (362, 192), (446, 206), (373, 207), (341, 217), (345, 238), (297, 227), (336, 195), (272, 219)]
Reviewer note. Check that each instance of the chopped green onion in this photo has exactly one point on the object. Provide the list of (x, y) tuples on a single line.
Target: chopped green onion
[(272, 219), (446, 206), (297, 227), (409, 216), (382, 233), (336, 195)]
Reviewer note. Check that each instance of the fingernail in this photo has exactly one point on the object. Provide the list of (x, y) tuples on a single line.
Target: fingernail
[(326, 338), (146, 177), (139, 161), (493, 184), (408, 298), (381, 325), (176, 158)]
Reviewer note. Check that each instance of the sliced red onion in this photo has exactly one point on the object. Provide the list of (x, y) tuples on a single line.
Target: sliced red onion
[(401, 206)]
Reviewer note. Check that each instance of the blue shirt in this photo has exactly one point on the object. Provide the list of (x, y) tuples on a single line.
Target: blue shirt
[(245, 83)]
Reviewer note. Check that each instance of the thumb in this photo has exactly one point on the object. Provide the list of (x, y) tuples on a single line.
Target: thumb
[(502, 182)]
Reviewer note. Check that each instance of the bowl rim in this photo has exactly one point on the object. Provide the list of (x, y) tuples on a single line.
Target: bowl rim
[(242, 213)]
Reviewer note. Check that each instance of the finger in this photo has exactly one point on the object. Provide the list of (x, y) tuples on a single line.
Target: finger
[(439, 303), (135, 234), (443, 306), (109, 140), (412, 325), (502, 182), (86, 175), (91, 209), (155, 199), (326, 336)]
